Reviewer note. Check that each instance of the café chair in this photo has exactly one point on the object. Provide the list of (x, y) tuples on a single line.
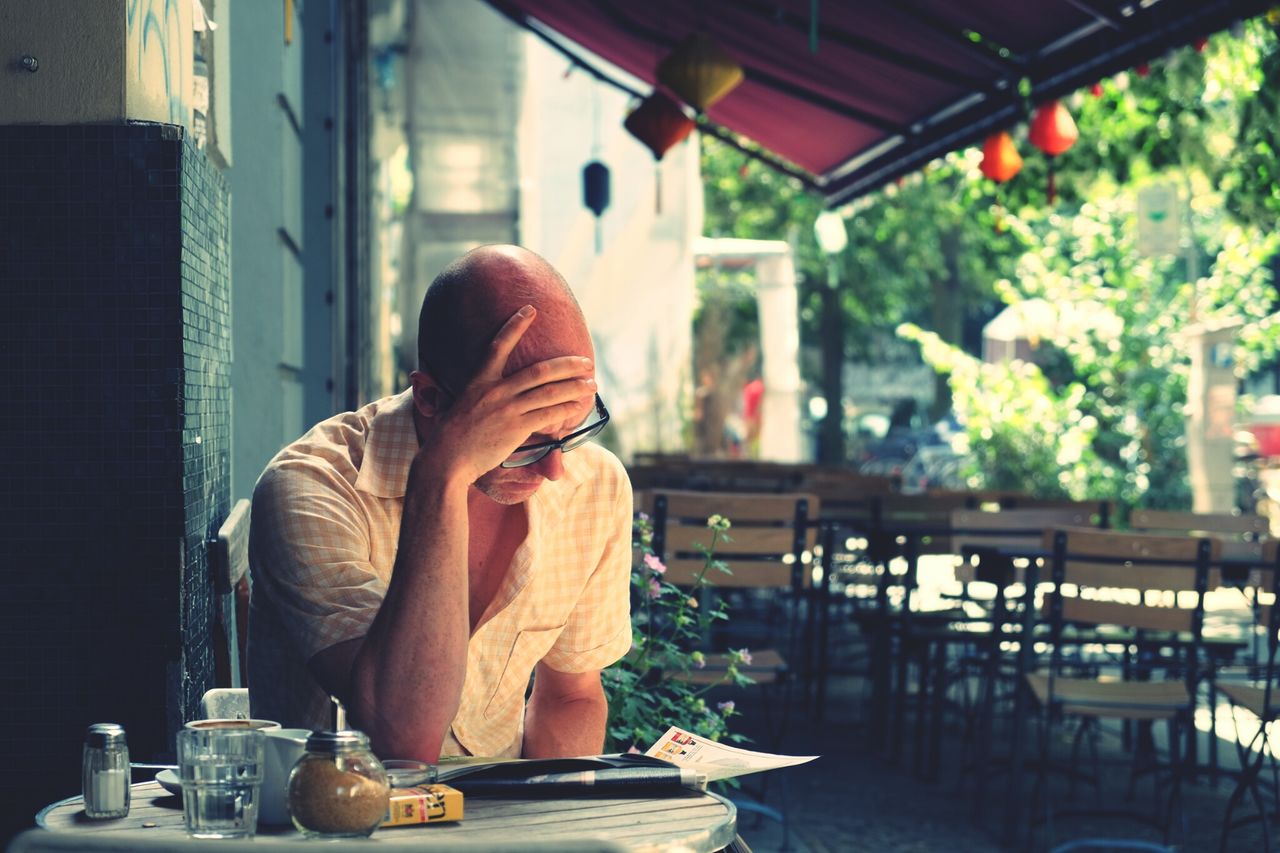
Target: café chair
[(229, 566), (1099, 578), (768, 551), (1259, 699), (225, 703)]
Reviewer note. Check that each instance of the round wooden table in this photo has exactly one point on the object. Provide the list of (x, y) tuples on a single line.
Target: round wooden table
[(692, 821)]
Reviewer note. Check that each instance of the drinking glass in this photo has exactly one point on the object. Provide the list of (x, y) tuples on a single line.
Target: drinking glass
[(221, 773)]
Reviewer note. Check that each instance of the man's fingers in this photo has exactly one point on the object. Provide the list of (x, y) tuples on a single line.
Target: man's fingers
[(550, 371), (579, 391), (504, 343)]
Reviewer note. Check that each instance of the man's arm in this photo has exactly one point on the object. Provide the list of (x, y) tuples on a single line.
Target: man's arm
[(402, 682), (566, 714)]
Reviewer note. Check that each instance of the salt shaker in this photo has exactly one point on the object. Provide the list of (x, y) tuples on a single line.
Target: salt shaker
[(105, 774)]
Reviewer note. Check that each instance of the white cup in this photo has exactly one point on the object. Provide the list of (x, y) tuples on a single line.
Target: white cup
[(281, 750)]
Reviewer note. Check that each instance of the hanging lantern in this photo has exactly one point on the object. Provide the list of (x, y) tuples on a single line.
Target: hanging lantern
[(1000, 157), (1053, 131), (659, 123), (699, 72), (595, 194)]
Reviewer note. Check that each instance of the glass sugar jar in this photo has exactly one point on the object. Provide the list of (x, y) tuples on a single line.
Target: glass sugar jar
[(105, 772), (338, 788)]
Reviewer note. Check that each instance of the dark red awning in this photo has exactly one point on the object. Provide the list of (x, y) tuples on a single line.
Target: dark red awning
[(893, 83)]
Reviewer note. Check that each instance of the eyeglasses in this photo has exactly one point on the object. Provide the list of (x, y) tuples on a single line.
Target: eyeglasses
[(531, 453)]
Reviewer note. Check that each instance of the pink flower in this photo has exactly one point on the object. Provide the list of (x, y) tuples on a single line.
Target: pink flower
[(698, 659), (655, 588), (744, 656), (725, 707), (655, 565)]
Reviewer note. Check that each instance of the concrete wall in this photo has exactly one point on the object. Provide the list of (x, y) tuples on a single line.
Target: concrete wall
[(267, 238), (98, 61)]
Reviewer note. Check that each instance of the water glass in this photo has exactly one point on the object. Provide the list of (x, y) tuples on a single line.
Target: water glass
[(221, 773)]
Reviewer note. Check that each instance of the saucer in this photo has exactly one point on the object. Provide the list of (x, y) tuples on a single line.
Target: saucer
[(169, 780)]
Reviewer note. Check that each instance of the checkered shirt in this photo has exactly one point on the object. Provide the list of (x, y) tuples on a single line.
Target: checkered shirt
[(323, 540)]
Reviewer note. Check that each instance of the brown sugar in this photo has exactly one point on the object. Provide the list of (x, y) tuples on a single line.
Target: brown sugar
[(326, 799)]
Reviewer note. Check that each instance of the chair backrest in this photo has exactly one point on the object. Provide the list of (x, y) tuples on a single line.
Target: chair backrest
[(1243, 525), (1101, 512), (229, 550), (1139, 561), (225, 703), (724, 475), (229, 563), (1010, 528), (846, 495), (1113, 566), (770, 542)]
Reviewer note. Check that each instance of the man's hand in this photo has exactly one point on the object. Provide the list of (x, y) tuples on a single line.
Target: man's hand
[(495, 414)]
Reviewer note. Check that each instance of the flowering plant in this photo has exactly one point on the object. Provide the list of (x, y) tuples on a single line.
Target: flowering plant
[(664, 679)]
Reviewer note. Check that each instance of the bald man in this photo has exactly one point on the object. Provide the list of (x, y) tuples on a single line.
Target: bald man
[(422, 557)]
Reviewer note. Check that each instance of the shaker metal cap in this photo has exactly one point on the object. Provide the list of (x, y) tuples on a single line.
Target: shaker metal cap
[(104, 734), (322, 741)]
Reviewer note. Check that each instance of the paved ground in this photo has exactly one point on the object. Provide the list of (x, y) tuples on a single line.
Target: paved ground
[(854, 799)]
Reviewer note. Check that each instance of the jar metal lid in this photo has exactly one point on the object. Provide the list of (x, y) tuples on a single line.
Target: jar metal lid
[(104, 734), (333, 742)]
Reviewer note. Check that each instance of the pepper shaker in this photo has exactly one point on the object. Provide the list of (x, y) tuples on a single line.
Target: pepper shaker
[(105, 774)]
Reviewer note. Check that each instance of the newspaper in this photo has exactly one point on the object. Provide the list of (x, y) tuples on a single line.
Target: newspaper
[(717, 760)]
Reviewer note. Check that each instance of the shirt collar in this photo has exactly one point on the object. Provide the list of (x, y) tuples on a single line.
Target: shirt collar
[(390, 448)]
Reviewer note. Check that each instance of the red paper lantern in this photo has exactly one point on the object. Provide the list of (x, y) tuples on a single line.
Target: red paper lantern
[(659, 123), (1000, 157), (1053, 130), (1096, 90)]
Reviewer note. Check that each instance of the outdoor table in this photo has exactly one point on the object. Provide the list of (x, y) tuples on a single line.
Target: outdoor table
[(690, 821)]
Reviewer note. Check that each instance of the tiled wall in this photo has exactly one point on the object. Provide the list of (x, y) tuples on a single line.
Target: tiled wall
[(115, 436)]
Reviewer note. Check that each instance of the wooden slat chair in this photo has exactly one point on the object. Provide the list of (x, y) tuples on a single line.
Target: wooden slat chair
[(984, 542), (769, 552), (1111, 566), (229, 564), (1241, 535), (1259, 698), (900, 530), (846, 498)]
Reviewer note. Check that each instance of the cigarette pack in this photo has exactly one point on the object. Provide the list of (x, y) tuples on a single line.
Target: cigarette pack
[(423, 804)]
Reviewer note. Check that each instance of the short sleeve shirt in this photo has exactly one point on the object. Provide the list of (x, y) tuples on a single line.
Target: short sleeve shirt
[(323, 540)]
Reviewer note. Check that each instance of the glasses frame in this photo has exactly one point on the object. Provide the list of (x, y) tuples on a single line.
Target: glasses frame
[(548, 446)]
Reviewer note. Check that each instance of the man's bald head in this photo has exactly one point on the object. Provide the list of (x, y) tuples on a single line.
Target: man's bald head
[(471, 299)]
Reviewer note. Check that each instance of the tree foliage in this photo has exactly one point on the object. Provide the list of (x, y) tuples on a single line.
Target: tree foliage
[(1101, 410)]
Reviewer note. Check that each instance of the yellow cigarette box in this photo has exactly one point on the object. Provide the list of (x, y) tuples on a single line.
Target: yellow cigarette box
[(423, 804)]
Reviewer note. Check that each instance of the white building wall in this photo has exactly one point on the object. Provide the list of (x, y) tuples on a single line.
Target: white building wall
[(638, 291)]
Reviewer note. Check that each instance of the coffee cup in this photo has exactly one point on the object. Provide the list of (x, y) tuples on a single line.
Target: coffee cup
[(228, 723), (281, 750)]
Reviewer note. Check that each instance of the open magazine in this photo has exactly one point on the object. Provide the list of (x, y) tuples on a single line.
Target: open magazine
[(678, 760)]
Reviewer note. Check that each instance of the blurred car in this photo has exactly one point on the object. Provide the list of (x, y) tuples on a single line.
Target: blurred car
[(935, 466), (890, 455)]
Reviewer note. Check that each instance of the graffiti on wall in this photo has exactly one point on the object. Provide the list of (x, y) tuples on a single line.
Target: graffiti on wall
[(158, 39)]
